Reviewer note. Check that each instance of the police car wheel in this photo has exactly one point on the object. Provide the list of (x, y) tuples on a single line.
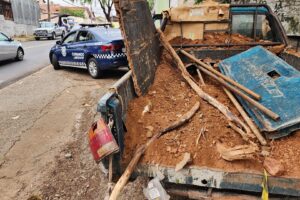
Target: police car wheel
[(93, 68), (54, 62)]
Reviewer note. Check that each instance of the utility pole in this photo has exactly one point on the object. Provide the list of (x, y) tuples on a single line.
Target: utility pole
[(48, 7)]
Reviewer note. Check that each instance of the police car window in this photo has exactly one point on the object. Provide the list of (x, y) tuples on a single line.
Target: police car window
[(70, 38), (90, 36), (84, 36)]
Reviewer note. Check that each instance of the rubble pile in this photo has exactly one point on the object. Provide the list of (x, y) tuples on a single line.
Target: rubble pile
[(214, 39), (168, 99)]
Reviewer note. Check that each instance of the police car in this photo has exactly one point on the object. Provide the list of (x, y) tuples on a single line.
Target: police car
[(95, 49)]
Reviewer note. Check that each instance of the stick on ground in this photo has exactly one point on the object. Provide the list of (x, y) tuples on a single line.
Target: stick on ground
[(140, 151)]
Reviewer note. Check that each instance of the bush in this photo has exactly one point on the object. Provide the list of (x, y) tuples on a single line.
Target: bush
[(73, 12)]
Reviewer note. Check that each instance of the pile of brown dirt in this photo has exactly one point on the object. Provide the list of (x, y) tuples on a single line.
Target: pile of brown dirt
[(217, 38), (293, 52), (170, 97)]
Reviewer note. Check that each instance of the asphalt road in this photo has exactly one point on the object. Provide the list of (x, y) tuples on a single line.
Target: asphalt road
[(36, 57)]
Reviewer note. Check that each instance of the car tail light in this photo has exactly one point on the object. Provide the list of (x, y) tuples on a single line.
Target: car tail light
[(111, 47)]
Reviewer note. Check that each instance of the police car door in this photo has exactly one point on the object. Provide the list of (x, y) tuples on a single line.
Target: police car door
[(80, 48), (66, 59)]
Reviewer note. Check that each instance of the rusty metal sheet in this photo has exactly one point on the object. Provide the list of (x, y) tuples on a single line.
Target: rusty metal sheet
[(275, 80), (141, 41)]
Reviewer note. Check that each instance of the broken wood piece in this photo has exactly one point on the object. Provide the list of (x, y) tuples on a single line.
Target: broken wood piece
[(247, 119), (219, 74), (240, 131), (262, 108), (110, 173), (186, 159), (273, 167), (147, 108), (140, 151), (202, 131), (240, 152), (214, 102), (201, 80)]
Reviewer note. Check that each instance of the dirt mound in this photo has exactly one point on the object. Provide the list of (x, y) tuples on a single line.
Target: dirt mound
[(169, 98), (217, 38)]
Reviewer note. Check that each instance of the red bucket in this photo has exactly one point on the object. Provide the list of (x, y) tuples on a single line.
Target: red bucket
[(102, 141)]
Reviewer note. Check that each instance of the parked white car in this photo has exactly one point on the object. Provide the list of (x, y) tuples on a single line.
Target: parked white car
[(10, 49), (49, 30)]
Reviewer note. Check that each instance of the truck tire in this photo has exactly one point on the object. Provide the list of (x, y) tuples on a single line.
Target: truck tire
[(20, 54), (37, 38), (93, 68), (63, 35), (53, 36), (54, 62)]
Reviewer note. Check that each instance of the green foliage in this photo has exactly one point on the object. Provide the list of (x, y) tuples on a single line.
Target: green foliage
[(151, 4), (73, 12), (198, 1)]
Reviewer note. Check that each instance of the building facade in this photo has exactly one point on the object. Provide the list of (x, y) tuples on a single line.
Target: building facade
[(18, 17)]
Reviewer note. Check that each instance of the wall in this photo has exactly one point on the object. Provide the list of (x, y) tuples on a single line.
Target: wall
[(288, 11), (11, 28), (26, 11), (26, 14)]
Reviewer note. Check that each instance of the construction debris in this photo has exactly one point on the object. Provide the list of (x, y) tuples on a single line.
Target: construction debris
[(202, 131), (140, 151), (155, 190), (239, 152), (276, 81), (273, 166), (185, 160)]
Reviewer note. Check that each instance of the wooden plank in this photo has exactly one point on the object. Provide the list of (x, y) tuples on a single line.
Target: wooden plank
[(142, 44)]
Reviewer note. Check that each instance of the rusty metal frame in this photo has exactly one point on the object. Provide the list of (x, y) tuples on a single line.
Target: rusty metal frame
[(226, 45), (217, 178)]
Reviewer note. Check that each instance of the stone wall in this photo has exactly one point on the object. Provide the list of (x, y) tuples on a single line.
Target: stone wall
[(10, 28), (288, 11)]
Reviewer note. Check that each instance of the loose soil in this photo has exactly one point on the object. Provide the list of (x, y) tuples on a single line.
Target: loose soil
[(214, 39), (170, 97), (293, 52)]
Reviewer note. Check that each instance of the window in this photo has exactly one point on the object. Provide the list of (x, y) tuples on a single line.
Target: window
[(85, 36), (3, 37), (5, 10), (263, 29), (244, 25), (47, 25), (70, 38)]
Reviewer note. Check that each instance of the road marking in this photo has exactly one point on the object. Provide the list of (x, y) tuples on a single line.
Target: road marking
[(37, 46)]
